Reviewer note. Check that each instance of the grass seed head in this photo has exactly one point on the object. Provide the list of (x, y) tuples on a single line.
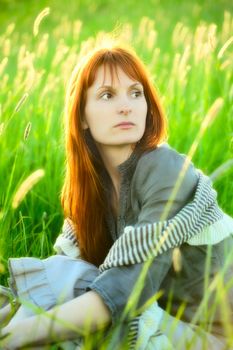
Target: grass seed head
[(3, 65), (224, 47), (1, 128), (21, 102), (2, 268), (26, 186), (212, 113), (38, 20), (27, 131), (177, 259)]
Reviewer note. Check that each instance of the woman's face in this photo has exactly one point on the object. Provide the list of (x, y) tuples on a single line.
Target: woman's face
[(111, 103)]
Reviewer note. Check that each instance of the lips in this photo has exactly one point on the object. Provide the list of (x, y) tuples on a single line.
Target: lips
[(125, 124)]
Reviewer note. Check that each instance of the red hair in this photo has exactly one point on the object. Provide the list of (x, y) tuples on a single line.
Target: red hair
[(83, 197)]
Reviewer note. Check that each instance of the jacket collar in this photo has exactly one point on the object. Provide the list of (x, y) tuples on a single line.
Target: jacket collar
[(129, 165)]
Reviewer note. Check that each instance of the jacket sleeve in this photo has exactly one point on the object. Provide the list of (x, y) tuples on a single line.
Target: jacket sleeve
[(153, 182)]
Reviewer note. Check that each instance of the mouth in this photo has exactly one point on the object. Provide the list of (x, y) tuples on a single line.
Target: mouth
[(125, 124)]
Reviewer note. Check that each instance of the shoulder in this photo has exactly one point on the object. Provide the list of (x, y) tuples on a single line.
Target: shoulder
[(162, 156), (162, 167)]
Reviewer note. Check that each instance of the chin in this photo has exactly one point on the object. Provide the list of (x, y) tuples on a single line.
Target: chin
[(127, 142), (121, 141), (129, 139)]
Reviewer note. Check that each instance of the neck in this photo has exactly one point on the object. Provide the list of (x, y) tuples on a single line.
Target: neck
[(112, 158)]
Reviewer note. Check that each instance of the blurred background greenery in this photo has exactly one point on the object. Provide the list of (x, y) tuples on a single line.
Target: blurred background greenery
[(103, 14), (187, 46)]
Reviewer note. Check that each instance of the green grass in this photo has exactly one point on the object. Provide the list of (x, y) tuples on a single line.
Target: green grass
[(180, 43)]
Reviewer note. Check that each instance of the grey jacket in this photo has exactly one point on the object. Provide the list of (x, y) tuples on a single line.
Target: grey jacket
[(146, 185)]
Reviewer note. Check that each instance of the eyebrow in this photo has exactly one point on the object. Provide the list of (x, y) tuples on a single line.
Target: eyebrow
[(110, 87)]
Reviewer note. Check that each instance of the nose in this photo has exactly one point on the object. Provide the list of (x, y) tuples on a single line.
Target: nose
[(124, 110)]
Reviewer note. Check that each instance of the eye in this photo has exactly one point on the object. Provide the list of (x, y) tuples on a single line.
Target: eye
[(106, 96), (137, 93)]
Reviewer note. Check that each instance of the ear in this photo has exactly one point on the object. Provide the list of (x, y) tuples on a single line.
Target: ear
[(84, 124)]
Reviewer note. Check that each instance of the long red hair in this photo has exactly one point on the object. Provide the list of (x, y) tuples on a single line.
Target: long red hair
[(82, 197)]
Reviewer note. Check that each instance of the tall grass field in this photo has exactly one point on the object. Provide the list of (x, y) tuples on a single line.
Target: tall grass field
[(188, 49)]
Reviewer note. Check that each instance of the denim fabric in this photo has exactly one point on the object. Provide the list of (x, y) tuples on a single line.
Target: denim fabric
[(48, 282)]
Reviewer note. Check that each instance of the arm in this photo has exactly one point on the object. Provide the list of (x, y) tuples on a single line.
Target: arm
[(65, 322)]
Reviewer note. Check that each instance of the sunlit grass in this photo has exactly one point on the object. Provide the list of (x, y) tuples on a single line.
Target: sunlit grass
[(194, 80)]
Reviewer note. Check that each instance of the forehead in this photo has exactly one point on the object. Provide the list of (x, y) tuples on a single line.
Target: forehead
[(106, 75)]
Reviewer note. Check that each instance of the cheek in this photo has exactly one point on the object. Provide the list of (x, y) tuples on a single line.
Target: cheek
[(144, 109), (96, 110), (143, 105), (90, 114)]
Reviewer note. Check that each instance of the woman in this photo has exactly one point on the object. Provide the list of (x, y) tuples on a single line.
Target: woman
[(133, 207)]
